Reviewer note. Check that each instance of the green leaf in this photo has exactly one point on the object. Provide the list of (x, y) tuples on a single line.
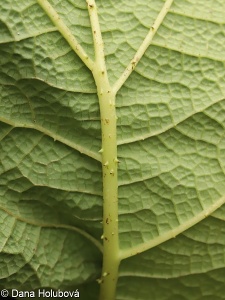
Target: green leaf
[(163, 64)]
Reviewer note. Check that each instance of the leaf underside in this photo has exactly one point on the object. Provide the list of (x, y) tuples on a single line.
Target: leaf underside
[(171, 147)]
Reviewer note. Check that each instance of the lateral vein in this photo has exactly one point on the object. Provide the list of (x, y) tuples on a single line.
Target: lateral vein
[(66, 33), (143, 47)]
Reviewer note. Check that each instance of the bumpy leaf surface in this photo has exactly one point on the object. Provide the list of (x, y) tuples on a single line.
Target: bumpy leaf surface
[(171, 146)]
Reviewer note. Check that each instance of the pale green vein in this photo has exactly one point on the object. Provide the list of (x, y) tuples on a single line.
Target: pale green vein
[(42, 31), (66, 33), (6, 132), (172, 233), (58, 226), (56, 137), (110, 265), (97, 36), (146, 43)]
